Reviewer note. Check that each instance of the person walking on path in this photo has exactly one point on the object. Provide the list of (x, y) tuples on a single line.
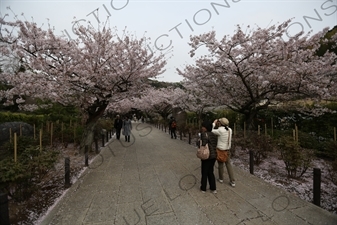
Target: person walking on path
[(127, 127), (169, 124), (224, 133), (118, 124), (173, 127), (207, 165)]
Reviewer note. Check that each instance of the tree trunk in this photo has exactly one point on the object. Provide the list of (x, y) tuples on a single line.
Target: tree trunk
[(87, 136), (88, 133), (250, 116)]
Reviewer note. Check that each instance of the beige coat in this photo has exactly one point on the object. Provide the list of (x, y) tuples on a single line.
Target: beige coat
[(223, 142)]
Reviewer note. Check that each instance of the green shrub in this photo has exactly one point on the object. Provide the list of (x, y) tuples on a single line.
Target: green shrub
[(296, 159), (14, 179), (331, 147), (332, 154), (7, 149), (332, 171), (23, 117), (261, 145), (105, 123), (20, 178)]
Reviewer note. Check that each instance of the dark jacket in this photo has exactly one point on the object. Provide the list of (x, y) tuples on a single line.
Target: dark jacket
[(118, 124), (212, 140), (170, 124)]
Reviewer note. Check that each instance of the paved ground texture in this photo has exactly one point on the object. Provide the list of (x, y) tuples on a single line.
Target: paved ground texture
[(154, 179)]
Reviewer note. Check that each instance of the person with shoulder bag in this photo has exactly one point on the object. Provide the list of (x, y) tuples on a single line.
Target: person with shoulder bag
[(221, 129), (207, 165)]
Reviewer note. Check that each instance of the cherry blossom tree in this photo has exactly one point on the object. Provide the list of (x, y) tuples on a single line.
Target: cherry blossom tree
[(93, 71), (193, 99), (158, 101), (147, 101), (328, 43), (249, 71)]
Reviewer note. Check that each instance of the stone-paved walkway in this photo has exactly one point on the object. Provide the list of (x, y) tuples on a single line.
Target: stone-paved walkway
[(155, 180)]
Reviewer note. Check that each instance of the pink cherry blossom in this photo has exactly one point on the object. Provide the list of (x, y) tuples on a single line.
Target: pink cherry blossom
[(254, 69), (91, 72)]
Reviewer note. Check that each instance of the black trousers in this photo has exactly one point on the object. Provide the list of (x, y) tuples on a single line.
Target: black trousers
[(207, 173), (173, 133), (118, 133), (127, 138)]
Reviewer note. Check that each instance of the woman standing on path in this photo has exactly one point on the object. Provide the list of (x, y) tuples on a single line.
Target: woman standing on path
[(224, 133), (127, 127), (207, 165)]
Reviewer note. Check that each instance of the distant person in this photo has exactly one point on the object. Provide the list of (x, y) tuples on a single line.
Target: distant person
[(169, 124), (224, 133), (207, 165), (127, 127), (118, 124), (173, 128)]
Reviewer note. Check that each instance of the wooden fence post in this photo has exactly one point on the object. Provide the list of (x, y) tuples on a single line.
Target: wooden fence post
[(74, 133), (40, 140), (15, 148), (10, 135), (251, 161), (51, 133), (272, 127), (62, 128), (86, 152), (103, 140), (67, 172), (4, 212), (317, 186)]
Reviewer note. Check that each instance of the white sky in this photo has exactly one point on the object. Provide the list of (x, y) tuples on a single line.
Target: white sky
[(165, 20)]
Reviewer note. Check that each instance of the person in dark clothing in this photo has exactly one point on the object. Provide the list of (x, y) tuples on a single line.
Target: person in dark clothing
[(169, 125), (173, 128), (207, 165), (118, 124)]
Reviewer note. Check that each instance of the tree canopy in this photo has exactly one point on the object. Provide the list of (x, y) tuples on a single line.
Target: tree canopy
[(252, 70), (96, 69)]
